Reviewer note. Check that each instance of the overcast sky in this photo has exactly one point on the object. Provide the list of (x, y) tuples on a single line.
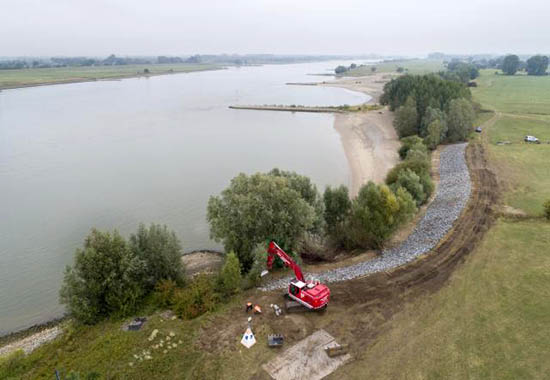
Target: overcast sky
[(177, 27)]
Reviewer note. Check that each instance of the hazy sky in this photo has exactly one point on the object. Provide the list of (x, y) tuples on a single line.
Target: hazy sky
[(176, 27)]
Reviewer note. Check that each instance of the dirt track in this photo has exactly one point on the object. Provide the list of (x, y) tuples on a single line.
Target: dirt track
[(374, 299)]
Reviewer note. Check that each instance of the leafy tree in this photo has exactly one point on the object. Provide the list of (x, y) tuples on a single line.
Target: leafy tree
[(257, 208), (309, 193), (510, 64), (420, 167), (229, 281), (340, 69), (405, 121), (537, 65), (160, 250), (376, 213), (337, 209), (106, 278), (460, 120), (435, 130), (407, 143), (410, 181), (432, 114)]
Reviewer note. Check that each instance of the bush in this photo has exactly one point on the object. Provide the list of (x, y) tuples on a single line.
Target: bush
[(547, 209), (106, 278), (263, 207), (433, 114), (410, 181), (197, 298), (407, 143), (165, 290), (253, 278), (376, 213), (460, 120), (160, 250), (229, 279), (420, 167)]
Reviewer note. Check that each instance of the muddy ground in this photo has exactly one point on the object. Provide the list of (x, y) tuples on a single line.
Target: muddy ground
[(359, 308)]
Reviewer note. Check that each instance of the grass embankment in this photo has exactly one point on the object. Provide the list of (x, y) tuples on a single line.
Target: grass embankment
[(491, 320), (412, 66), (37, 77)]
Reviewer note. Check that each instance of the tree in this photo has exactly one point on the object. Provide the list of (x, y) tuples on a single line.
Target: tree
[(410, 181), (376, 213), (104, 279), (257, 208), (432, 114), (229, 280), (408, 143), (537, 65), (460, 120), (510, 64), (337, 209), (160, 250), (435, 130), (405, 121), (340, 69), (309, 193)]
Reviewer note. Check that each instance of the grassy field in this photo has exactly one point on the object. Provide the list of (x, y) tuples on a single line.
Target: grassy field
[(413, 66), (491, 320), (33, 77), (514, 94)]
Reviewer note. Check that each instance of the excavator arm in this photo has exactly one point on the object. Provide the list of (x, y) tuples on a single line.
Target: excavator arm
[(274, 250)]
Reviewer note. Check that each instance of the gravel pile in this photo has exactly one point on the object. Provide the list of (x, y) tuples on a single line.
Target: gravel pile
[(32, 342), (452, 195)]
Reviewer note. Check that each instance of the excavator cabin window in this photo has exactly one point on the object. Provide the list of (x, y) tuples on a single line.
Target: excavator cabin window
[(294, 289)]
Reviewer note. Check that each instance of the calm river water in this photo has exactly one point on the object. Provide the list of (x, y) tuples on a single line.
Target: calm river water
[(112, 154)]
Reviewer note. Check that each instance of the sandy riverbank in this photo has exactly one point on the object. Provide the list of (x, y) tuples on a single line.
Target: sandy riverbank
[(369, 139)]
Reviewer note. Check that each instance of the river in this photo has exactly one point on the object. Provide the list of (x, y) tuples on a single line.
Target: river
[(112, 154)]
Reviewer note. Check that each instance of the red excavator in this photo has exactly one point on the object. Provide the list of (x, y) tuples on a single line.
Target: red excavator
[(311, 294)]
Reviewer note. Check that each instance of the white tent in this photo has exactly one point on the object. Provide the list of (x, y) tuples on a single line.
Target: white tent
[(248, 339)]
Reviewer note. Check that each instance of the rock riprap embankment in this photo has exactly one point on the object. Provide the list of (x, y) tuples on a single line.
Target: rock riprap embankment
[(451, 197)]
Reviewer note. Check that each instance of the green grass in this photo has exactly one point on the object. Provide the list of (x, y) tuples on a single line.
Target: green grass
[(514, 94), (28, 77), (413, 66), (490, 322), (525, 167)]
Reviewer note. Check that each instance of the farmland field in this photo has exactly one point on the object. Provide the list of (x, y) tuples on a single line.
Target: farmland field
[(33, 77)]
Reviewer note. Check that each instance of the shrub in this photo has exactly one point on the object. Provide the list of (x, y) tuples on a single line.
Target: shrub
[(376, 213), (252, 278), (261, 207), (407, 143), (197, 298), (165, 290), (106, 278), (160, 250), (229, 279), (410, 181), (547, 209), (420, 167)]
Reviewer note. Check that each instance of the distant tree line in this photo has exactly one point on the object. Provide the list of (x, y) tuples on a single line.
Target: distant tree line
[(85, 61)]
